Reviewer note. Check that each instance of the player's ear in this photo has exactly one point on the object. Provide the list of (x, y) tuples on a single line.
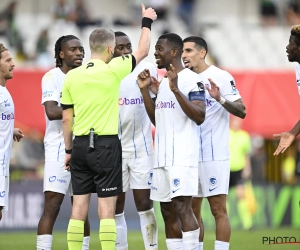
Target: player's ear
[(174, 52), (62, 55), (203, 53)]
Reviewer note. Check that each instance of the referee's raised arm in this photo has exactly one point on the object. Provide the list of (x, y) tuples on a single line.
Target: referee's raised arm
[(149, 15)]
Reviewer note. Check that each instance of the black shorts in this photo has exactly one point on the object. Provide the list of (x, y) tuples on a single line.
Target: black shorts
[(236, 178), (99, 169)]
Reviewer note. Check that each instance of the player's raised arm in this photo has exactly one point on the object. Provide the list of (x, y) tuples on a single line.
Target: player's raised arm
[(149, 15)]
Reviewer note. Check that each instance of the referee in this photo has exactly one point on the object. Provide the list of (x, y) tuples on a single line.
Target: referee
[(90, 93)]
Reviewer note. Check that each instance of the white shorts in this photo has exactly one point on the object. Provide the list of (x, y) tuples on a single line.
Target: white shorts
[(137, 172), (213, 178), (4, 192), (56, 178), (170, 182)]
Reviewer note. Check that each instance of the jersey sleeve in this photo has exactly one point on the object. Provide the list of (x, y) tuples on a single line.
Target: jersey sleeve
[(193, 80), (228, 88), (49, 89), (122, 65), (66, 98), (297, 68)]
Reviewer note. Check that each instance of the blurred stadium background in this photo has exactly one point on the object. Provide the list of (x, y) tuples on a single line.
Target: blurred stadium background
[(245, 37)]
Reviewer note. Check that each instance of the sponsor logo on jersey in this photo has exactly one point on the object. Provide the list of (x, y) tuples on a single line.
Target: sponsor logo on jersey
[(234, 90), (208, 103), (212, 180), (165, 105), (176, 182), (132, 101), (2, 194), (7, 117), (47, 93), (153, 188), (6, 103), (52, 178)]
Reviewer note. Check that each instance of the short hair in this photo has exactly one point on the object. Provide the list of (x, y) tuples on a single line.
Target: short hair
[(100, 39), (120, 33), (295, 32), (174, 40), (2, 49), (58, 47), (199, 41)]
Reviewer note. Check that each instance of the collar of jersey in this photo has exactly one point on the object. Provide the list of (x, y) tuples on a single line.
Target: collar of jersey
[(96, 61)]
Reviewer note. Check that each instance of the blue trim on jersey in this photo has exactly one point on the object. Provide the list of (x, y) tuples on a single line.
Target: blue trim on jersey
[(173, 147), (165, 150), (201, 143), (212, 147), (144, 139), (157, 149), (134, 146), (3, 165), (58, 151), (121, 135), (3, 168)]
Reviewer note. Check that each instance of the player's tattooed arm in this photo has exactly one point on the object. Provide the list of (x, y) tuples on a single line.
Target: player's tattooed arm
[(236, 108)]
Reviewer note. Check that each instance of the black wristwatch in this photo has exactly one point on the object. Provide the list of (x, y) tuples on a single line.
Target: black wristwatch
[(68, 151)]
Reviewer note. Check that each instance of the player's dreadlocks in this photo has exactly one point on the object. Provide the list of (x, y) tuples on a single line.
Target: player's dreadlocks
[(58, 46), (2, 48), (296, 33)]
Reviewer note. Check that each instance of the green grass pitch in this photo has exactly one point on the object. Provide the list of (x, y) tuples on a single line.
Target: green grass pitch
[(240, 240)]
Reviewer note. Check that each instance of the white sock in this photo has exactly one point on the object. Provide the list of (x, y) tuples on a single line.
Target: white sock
[(191, 239), (86, 243), (44, 242), (221, 245), (174, 244), (149, 229), (121, 242), (200, 246)]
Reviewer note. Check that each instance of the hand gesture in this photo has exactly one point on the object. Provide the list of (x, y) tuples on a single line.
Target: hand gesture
[(286, 139), (144, 79), (67, 162), (213, 90), (149, 13), (18, 134), (154, 85), (173, 78)]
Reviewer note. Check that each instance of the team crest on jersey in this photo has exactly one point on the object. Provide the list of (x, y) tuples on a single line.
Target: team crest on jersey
[(176, 182), (212, 180), (2, 194)]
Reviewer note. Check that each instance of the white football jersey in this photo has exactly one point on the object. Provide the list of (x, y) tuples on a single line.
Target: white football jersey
[(7, 110), (297, 69), (134, 124), (176, 140), (52, 84), (214, 131)]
